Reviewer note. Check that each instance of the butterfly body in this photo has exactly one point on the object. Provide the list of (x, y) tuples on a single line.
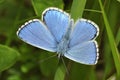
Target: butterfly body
[(59, 33), (63, 45)]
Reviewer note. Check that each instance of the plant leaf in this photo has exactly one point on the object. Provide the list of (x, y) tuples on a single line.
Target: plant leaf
[(8, 57)]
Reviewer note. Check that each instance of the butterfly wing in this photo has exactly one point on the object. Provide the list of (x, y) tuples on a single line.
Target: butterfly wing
[(57, 22), (84, 30), (85, 53), (36, 33), (82, 47)]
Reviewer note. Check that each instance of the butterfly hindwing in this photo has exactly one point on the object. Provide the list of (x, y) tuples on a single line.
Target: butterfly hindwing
[(57, 22), (36, 33), (85, 53)]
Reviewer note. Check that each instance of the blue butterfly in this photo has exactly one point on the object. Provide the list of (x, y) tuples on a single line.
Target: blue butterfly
[(58, 33)]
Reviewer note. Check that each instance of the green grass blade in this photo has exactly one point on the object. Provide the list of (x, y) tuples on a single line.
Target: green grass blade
[(91, 10), (118, 37), (60, 73), (113, 46), (77, 8)]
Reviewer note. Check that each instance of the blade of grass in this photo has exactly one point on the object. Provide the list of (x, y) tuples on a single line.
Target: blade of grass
[(109, 66), (118, 37), (91, 10), (113, 46), (77, 8), (60, 73)]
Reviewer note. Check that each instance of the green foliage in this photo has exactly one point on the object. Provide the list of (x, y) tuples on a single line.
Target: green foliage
[(20, 61), (8, 57), (45, 63), (112, 42), (77, 8), (40, 5), (60, 73)]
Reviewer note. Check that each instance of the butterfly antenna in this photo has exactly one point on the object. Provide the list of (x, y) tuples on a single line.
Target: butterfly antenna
[(47, 58)]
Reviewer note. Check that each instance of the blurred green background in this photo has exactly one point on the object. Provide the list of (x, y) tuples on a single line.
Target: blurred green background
[(20, 61)]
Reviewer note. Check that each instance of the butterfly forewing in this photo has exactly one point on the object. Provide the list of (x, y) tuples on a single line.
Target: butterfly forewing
[(36, 33), (57, 22), (84, 30)]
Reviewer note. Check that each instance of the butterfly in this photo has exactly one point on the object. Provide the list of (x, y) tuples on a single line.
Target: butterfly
[(57, 32)]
